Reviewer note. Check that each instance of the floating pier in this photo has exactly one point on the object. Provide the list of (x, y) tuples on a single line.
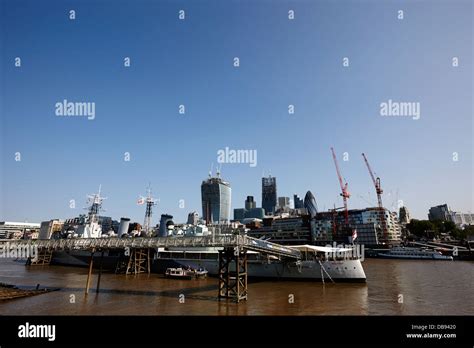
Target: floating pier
[(232, 259)]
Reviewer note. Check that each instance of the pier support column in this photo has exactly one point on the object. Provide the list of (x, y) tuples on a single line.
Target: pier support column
[(233, 274), (139, 261), (43, 258), (100, 271), (89, 275)]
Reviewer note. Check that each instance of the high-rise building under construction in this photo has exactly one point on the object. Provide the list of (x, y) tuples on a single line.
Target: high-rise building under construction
[(216, 200), (269, 194)]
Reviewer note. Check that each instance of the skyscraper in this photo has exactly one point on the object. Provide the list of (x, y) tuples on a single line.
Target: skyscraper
[(440, 212), (310, 204), (216, 199), (298, 202), (404, 215), (250, 203), (269, 194), (284, 202)]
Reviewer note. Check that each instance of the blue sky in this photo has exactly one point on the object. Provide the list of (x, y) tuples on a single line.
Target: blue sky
[(190, 62)]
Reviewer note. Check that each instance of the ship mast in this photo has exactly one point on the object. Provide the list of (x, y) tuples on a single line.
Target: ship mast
[(150, 202), (95, 206)]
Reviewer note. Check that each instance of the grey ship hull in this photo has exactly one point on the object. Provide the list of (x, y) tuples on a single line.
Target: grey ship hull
[(81, 258), (339, 271), (346, 270)]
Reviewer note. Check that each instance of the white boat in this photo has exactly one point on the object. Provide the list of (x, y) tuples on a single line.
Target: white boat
[(414, 253), (178, 273), (185, 273), (201, 273), (318, 263)]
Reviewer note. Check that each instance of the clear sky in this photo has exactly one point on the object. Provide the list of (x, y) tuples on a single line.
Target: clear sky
[(190, 62)]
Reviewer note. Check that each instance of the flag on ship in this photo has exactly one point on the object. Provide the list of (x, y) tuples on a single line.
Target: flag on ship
[(354, 234)]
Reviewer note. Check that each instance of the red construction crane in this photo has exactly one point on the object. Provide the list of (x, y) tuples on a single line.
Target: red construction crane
[(378, 189), (344, 193)]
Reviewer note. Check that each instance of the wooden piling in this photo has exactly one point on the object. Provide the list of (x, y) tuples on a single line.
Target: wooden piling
[(100, 272), (89, 275)]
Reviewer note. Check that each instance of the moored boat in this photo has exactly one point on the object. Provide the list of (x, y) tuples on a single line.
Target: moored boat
[(185, 273), (399, 252)]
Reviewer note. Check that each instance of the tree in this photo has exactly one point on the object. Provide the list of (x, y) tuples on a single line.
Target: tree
[(469, 230), (438, 225), (420, 227), (449, 226), (463, 233)]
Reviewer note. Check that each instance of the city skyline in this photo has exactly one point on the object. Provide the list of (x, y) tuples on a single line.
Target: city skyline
[(157, 213), (283, 62)]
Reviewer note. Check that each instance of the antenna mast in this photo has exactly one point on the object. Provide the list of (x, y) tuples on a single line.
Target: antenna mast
[(95, 206), (150, 202)]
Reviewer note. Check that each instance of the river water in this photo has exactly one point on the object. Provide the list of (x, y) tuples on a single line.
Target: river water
[(394, 287)]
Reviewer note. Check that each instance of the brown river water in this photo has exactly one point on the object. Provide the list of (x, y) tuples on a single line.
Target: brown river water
[(394, 287)]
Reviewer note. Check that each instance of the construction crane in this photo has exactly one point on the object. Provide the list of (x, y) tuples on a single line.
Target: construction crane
[(379, 191), (344, 192)]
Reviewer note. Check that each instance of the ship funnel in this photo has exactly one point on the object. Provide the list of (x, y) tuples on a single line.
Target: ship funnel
[(123, 227)]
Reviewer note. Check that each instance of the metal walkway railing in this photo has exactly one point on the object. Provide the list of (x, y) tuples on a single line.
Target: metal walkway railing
[(225, 241)]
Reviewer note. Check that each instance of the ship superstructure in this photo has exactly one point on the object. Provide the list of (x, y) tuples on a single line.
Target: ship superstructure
[(91, 228)]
